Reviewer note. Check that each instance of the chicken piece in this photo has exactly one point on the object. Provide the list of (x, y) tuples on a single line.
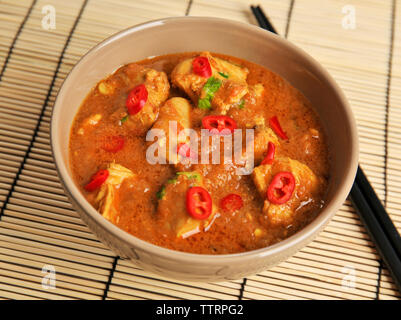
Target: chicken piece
[(107, 199), (307, 186), (250, 103), (158, 88), (176, 111), (256, 91), (308, 142), (229, 94), (108, 86), (232, 80), (261, 139), (250, 112), (172, 205), (89, 123)]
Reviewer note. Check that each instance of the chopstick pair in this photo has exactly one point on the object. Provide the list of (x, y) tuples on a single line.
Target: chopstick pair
[(378, 223), (263, 22), (365, 201)]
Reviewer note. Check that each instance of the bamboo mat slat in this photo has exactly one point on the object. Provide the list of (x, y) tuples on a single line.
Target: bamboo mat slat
[(394, 145), (11, 16), (39, 226), (359, 60), (128, 277), (82, 263)]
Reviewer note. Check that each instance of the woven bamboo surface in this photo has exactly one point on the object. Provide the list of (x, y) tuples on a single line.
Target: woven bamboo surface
[(39, 227)]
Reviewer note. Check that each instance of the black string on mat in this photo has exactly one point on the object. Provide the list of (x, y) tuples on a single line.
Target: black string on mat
[(364, 199)]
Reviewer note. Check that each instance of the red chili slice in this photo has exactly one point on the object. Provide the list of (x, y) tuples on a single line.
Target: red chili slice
[(185, 151), (199, 203), (275, 125), (271, 149), (219, 124), (113, 144), (201, 67), (97, 180), (136, 99), (281, 187), (232, 202)]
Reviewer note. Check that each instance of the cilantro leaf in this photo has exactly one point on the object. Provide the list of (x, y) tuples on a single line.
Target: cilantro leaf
[(204, 103), (189, 175), (210, 88), (242, 104), (172, 180), (160, 195), (224, 75)]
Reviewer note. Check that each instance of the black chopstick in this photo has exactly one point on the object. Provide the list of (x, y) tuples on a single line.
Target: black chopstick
[(377, 207), (365, 201), (378, 224), (263, 22)]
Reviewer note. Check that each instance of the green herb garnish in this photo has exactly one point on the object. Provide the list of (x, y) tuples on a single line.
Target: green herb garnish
[(241, 104), (210, 88), (190, 175), (124, 119), (160, 195), (212, 85), (204, 103), (171, 181), (224, 75)]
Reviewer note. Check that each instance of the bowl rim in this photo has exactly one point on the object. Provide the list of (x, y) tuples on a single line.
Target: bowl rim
[(308, 232)]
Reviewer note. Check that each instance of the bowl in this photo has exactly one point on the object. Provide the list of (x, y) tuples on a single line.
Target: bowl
[(185, 34)]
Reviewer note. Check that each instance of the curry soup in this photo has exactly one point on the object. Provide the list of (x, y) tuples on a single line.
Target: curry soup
[(209, 208)]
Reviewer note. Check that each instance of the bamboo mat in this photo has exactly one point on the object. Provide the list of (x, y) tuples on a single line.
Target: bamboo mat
[(38, 226)]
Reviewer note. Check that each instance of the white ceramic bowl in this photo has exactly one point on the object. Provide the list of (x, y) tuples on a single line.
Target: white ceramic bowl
[(245, 41)]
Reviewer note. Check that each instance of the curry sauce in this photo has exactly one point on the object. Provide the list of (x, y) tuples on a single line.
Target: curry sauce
[(150, 200)]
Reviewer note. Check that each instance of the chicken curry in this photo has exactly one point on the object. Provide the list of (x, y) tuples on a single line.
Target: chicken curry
[(193, 197)]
